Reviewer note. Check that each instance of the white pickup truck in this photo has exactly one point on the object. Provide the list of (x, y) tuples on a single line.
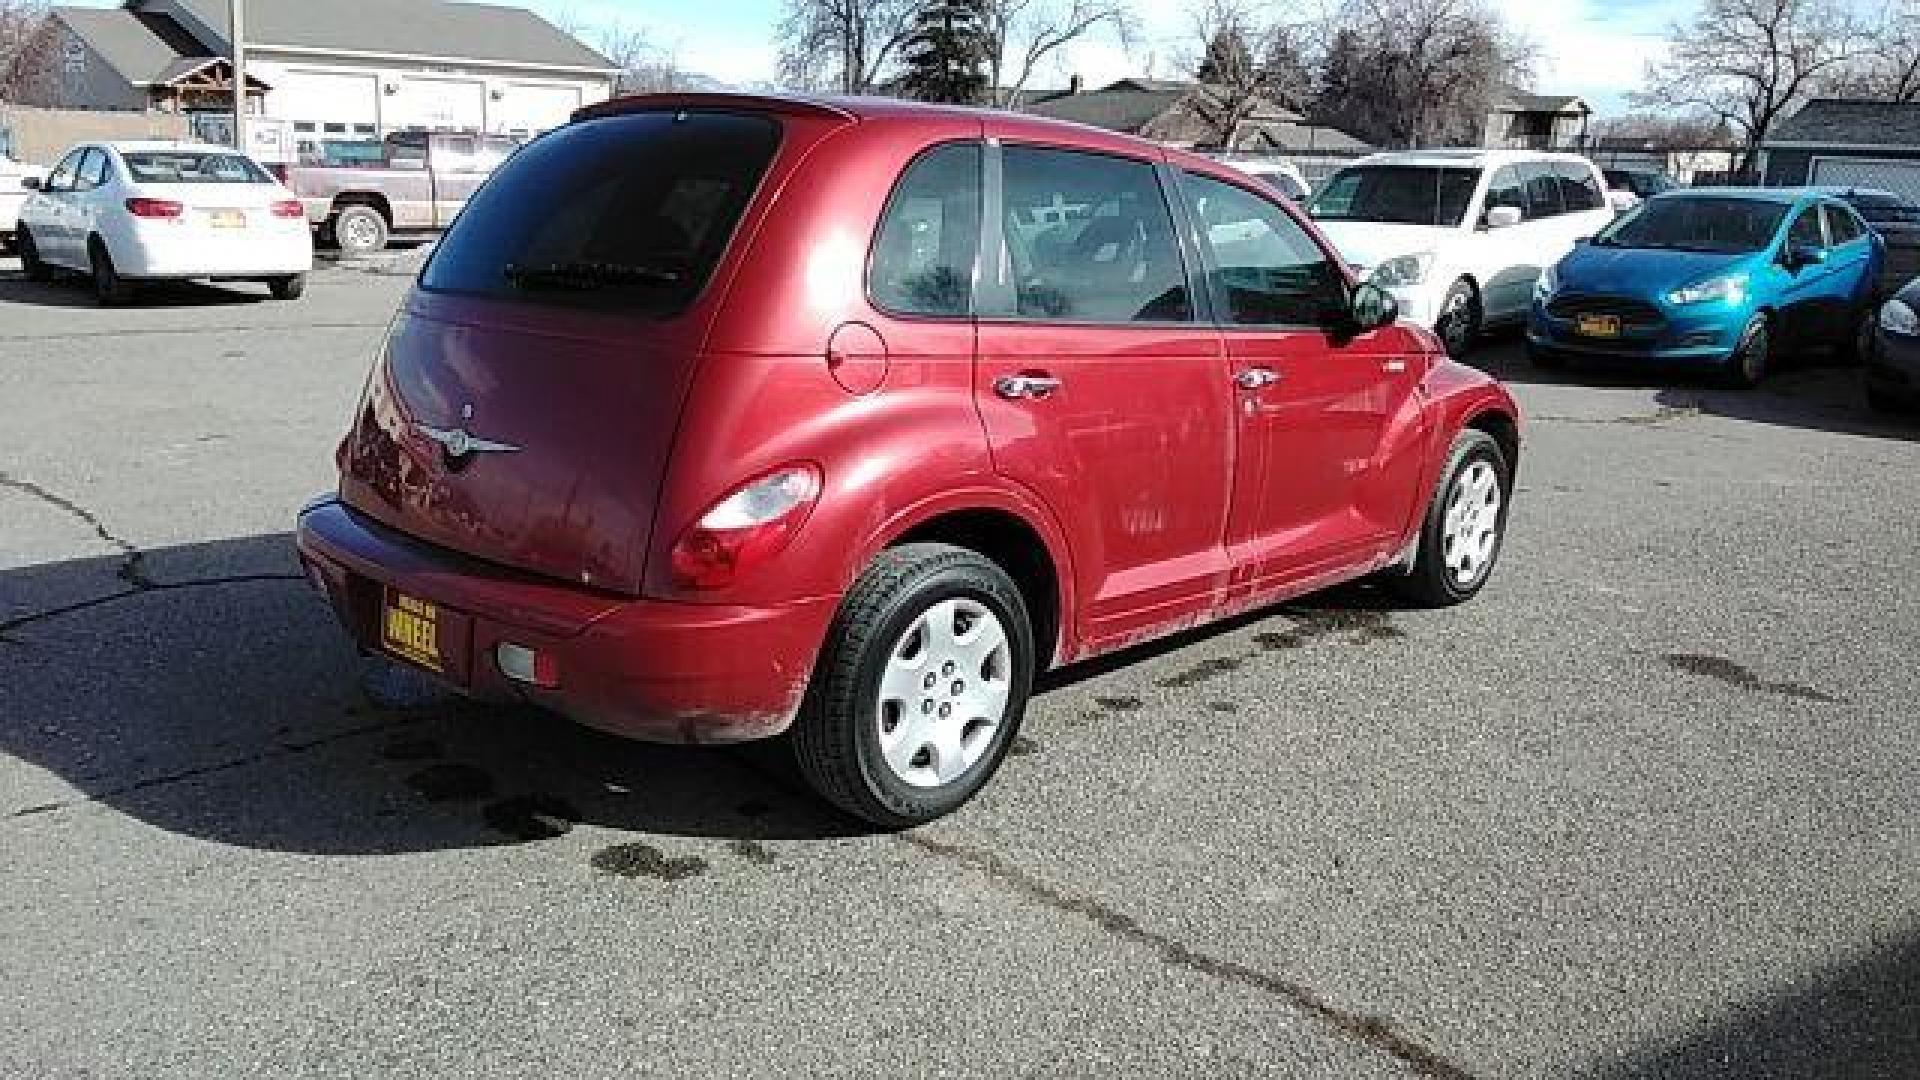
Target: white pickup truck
[(13, 195)]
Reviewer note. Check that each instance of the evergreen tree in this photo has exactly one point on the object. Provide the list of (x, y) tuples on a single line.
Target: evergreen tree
[(948, 53), (1229, 59)]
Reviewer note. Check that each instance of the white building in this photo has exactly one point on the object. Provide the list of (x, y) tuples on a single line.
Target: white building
[(338, 69)]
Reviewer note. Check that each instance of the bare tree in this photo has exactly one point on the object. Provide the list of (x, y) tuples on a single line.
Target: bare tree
[(1252, 55), (27, 47), (1888, 68), (1418, 72), (1024, 34), (843, 45), (1751, 62), (643, 67)]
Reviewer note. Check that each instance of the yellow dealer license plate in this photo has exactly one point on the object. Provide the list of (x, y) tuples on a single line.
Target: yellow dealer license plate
[(1603, 326), (410, 629)]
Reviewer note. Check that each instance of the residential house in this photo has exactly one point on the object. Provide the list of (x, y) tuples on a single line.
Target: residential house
[(1189, 115), (1846, 142), (334, 69)]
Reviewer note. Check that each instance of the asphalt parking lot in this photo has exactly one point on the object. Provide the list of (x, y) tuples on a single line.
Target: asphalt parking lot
[(1647, 809)]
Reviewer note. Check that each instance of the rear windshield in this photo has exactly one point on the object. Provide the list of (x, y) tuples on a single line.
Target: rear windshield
[(1404, 194), (1727, 226), (193, 167), (626, 213)]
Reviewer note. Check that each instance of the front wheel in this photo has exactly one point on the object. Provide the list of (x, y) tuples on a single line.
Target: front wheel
[(1752, 359), (920, 688), (1465, 527), (288, 288), (1460, 317)]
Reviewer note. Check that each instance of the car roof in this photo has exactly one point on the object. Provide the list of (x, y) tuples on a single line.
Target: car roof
[(158, 146), (1784, 196), (1468, 157)]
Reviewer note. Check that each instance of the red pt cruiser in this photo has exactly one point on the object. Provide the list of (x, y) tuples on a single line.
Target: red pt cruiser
[(716, 417)]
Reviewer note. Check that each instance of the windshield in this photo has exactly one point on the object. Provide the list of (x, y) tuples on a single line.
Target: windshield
[(627, 213), (194, 167), (1728, 226), (1403, 194)]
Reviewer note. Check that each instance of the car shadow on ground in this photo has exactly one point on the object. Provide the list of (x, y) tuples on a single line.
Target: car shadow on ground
[(207, 691), (76, 292), (1813, 393), (1855, 1021)]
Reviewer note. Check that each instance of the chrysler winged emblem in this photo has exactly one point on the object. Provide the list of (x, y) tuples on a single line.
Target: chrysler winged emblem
[(459, 443)]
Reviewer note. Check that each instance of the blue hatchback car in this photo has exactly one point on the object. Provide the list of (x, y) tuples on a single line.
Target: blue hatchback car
[(1727, 278)]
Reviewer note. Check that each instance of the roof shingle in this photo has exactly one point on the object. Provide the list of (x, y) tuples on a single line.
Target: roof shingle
[(1851, 122)]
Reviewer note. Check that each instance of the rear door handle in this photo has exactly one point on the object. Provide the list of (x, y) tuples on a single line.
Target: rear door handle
[(1258, 378), (1026, 387)]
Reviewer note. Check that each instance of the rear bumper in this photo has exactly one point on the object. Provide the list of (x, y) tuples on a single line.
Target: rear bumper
[(164, 250), (659, 672)]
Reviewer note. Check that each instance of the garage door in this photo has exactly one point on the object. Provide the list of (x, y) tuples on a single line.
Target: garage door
[(422, 102), (1899, 177), (349, 102), (530, 108)]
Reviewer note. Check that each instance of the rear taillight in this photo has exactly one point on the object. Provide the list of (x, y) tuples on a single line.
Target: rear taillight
[(165, 209), (753, 524), (289, 208)]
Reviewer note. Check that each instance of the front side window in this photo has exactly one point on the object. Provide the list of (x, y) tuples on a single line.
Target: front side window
[(1507, 189), (1579, 191), (64, 175), (1266, 270), (924, 254), (93, 171), (1089, 238), (1543, 191), (1842, 226), (626, 213), (1401, 194), (194, 167), (1806, 230)]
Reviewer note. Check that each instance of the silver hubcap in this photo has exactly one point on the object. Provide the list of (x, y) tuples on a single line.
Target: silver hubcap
[(361, 233), (944, 694), (1473, 524)]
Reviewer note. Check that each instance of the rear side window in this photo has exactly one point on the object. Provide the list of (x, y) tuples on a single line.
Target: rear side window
[(1266, 269), (1090, 239), (626, 213), (923, 257)]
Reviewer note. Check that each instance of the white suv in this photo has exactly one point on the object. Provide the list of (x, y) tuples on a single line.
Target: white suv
[(1459, 237)]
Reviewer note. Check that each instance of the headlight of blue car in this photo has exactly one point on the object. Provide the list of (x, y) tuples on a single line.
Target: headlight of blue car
[(1730, 290), (1898, 318), (1404, 271)]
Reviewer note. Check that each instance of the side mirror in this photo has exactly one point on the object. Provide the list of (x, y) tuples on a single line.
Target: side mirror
[(1800, 256), (1372, 307), (31, 183), (1504, 217)]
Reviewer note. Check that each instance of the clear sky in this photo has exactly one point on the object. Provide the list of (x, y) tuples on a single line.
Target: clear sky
[(1594, 48)]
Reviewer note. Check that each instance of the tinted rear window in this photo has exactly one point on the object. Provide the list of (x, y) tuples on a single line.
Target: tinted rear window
[(625, 213), (190, 167)]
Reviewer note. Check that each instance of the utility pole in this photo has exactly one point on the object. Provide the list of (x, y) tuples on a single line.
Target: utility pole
[(237, 17)]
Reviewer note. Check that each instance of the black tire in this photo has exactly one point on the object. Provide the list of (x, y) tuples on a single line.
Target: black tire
[(109, 288), (1865, 338), (288, 288), (1752, 359), (1460, 319), (360, 230), (1433, 582), (30, 262), (836, 740)]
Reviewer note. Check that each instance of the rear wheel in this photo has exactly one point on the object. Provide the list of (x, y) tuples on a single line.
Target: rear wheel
[(288, 288), (1752, 359), (109, 287), (1866, 330), (31, 264), (920, 688), (361, 230), (1460, 316), (1465, 527)]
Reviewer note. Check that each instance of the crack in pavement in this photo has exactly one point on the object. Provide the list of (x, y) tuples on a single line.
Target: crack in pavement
[(274, 753), (151, 587), (1659, 417), (1374, 1031), (130, 571)]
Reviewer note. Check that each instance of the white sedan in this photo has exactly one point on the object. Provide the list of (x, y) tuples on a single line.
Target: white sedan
[(123, 213)]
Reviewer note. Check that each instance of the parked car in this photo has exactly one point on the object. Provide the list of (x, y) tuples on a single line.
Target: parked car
[(417, 184), (718, 416), (1890, 215), (1628, 188), (1893, 365), (14, 192), (1283, 176), (130, 212), (1459, 237), (1729, 278)]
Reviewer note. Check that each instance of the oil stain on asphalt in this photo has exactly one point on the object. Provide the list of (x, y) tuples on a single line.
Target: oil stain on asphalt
[(1734, 674), (752, 851), (1204, 672), (645, 860), (1023, 747)]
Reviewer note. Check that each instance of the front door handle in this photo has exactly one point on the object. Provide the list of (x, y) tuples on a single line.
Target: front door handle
[(1026, 387), (1258, 378)]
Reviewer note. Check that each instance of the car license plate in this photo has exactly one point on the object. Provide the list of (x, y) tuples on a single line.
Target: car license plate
[(1601, 326), (227, 219), (410, 629)]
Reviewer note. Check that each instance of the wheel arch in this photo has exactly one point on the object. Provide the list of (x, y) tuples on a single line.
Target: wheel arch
[(375, 200), (1504, 427)]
